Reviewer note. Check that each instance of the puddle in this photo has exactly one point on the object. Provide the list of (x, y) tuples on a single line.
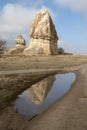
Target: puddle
[(42, 94)]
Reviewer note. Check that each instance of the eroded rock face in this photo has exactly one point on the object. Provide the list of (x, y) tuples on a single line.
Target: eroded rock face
[(15, 51), (43, 27), (20, 46), (20, 41), (43, 36)]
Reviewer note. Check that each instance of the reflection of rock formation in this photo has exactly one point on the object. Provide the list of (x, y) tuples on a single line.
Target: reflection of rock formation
[(39, 91)]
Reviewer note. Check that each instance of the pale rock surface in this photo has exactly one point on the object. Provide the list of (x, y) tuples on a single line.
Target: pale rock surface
[(20, 46), (20, 41), (15, 51), (43, 36), (40, 90)]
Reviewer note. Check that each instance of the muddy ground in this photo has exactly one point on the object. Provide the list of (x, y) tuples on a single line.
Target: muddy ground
[(69, 113)]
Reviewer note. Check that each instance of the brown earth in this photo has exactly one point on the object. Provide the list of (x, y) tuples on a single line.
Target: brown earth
[(69, 113)]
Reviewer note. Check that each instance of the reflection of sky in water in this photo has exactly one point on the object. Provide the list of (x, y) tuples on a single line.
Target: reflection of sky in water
[(61, 85)]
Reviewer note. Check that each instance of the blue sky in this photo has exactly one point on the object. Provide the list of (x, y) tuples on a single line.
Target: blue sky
[(69, 17)]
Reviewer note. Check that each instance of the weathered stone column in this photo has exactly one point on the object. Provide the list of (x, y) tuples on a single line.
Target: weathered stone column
[(43, 36), (20, 41)]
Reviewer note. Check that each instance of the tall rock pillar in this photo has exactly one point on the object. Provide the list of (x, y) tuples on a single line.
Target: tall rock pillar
[(43, 35)]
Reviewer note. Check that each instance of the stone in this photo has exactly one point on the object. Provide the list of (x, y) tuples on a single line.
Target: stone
[(15, 51), (20, 46), (43, 35), (20, 41)]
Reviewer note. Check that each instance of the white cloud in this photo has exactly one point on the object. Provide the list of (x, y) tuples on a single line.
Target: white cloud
[(15, 19), (78, 5)]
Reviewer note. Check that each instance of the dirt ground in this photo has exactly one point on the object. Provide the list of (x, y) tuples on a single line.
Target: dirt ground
[(69, 113)]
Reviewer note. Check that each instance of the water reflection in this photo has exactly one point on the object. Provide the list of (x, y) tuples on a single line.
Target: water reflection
[(39, 91), (42, 94)]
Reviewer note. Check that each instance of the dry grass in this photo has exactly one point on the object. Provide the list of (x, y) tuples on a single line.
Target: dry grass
[(12, 85), (26, 62)]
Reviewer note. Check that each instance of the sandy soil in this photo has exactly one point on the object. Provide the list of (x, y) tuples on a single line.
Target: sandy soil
[(69, 113)]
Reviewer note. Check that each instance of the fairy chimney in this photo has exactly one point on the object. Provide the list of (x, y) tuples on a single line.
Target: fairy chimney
[(20, 41), (43, 35)]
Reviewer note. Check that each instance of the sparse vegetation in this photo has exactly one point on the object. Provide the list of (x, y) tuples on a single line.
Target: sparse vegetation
[(2, 46), (13, 84), (61, 50), (40, 62)]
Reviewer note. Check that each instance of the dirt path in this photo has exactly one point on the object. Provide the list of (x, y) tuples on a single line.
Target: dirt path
[(69, 113), (71, 68)]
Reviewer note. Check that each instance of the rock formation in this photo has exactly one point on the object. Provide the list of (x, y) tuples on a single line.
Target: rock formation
[(15, 51), (20, 41), (40, 90), (20, 46), (43, 36)]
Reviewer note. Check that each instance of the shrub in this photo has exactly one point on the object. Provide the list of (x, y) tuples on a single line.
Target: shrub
[(61, 50), (2, 46)]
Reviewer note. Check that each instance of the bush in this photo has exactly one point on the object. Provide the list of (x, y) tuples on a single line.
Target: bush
[(2, 46), (61, 50)]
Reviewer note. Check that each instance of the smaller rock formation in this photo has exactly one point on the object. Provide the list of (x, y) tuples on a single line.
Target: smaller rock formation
[(43, 35), (20, 46), (20, 41)]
